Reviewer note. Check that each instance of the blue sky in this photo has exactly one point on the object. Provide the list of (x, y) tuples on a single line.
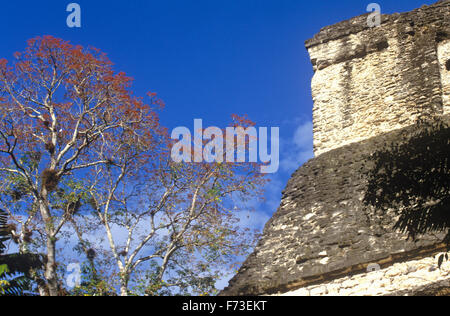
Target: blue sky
[(206, 58)]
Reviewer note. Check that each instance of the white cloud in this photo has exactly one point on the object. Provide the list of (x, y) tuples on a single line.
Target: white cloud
[(303, 136), (298, 149), (223, 282), (252, 219)]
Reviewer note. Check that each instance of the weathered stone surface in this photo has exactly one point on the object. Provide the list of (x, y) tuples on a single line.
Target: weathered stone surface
[(322, 230), (416, 277), (370, 86), (369, 81), (444, 62)]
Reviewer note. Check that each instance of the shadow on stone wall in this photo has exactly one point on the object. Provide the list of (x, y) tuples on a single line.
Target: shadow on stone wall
[(413, 179)]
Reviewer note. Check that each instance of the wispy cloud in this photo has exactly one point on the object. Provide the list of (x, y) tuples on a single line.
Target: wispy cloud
[(298, 149)]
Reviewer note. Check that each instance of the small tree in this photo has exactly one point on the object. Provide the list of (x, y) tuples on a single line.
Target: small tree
[(413, 179)]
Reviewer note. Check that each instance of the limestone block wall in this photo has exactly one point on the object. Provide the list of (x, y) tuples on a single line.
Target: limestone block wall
[(444, 64), (369, 81), (415, 277)]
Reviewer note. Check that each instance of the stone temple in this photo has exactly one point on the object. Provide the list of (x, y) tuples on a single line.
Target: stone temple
[(370, 86)]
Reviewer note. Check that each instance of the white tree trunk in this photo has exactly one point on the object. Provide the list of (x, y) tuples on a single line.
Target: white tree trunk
[(50, 266)]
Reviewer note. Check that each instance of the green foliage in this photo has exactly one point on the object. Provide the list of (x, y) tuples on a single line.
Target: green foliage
[(16, 187), (13, 264), (185, 279), (92, 284), (4, 236), (9, 286), (71, 195), (148, 284), (21, 263)]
